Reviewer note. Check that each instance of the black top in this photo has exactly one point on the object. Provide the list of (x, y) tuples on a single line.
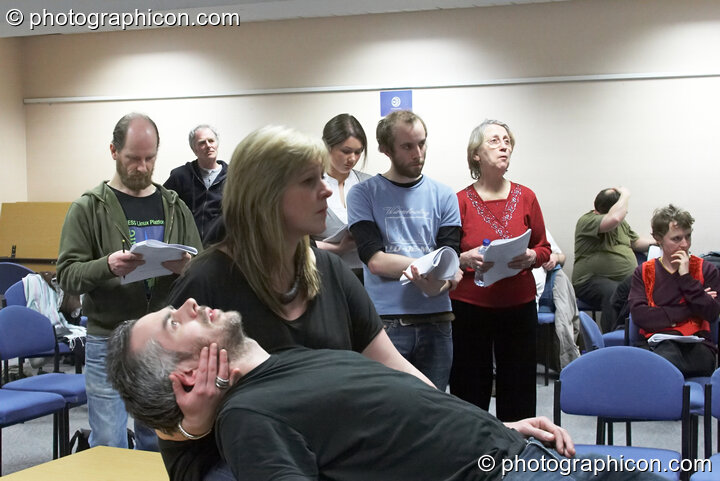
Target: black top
[(337, 415), (342, 316), (204, 203)]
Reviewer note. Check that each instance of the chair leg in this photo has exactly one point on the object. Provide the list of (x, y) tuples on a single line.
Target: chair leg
[(694, 437), (600, 431), (64, 433), (56, 435), (628, 434), (56, 358), (547, 339)]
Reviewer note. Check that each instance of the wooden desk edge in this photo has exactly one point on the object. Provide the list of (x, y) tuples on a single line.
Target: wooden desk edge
[(98, 463)]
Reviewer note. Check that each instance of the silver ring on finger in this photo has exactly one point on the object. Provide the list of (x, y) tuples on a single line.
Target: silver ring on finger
[(221, 383)]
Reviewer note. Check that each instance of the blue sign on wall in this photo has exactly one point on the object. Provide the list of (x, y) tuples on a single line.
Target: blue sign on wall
[(395, 100)]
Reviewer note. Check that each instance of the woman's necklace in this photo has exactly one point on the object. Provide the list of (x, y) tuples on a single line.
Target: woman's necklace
[(289, 296)]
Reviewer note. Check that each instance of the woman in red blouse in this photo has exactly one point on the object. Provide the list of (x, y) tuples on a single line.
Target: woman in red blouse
[(499, 319)]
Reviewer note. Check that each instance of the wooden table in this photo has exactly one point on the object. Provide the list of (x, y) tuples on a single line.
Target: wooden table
[(97, 464)]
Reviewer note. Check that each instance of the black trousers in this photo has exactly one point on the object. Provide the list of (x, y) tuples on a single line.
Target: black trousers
[(509, 333), (598, 291), (693, 359)]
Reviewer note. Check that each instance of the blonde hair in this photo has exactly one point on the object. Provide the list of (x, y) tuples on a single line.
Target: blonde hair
[(261, 168)]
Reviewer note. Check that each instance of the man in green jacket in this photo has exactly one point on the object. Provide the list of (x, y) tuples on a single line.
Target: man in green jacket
[(99, 229)]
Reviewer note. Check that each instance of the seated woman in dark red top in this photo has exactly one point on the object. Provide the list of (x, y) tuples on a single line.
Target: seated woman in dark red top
[(676, 294)]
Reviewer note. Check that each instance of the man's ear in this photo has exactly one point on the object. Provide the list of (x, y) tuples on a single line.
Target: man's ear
[(187, 375)]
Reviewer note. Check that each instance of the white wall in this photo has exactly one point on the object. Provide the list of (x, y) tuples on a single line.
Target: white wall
[(13, 172), (658, 136)]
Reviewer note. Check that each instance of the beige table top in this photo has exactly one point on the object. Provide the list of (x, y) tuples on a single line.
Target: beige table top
[(97, 464)]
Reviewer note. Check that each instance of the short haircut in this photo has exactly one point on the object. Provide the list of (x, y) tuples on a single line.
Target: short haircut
[(477, 137), (191, 135), (342, 127), (385, 132), (605, 199), (263, 165), (142, 379), (664, 216), (122, 126)]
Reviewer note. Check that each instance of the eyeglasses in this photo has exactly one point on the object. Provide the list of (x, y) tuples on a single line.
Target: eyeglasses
[(495, 143)]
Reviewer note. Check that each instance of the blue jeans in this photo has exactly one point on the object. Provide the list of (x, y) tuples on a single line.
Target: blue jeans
[(535, 454), (427, 346), (106, 410)]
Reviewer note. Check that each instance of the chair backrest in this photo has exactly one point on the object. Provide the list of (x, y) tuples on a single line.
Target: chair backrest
[(24, 332), (712, 410), (623, 382), (590, 332), (15, 295), (641, 257), (10, 273), (715, 403), (634, 337)]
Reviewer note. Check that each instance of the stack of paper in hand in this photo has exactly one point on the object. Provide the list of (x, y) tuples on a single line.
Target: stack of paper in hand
[(443, 263), (154, 253), (502, 251)]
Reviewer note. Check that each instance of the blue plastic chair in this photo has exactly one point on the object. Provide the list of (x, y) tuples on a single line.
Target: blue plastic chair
[(23, 332), (15, 296), (615, 338), (17, 407), (592, 337), (604, 383), (712, 410), (10, 273)]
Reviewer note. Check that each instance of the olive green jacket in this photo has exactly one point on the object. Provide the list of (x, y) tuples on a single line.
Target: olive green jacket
[(95, 227)]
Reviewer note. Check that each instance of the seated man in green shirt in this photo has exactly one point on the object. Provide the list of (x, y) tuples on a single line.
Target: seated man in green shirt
[(304, 414), (604, 252)]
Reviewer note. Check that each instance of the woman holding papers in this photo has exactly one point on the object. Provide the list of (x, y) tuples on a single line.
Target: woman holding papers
[(676, 294), (288, 293), (499, 319), (345, 139)]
